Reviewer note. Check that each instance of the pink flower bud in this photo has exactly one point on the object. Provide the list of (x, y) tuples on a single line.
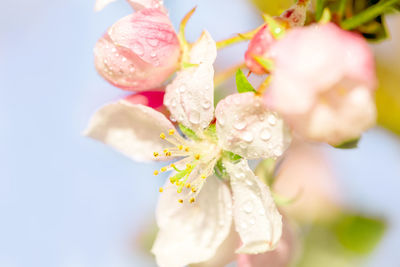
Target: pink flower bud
[(258, 47), (139, 52), (323, 83)]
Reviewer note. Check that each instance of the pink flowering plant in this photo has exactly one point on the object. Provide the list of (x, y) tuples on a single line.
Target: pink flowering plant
[(318, 81)]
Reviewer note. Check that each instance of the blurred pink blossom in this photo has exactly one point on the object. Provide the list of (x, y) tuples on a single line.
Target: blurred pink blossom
[(139, 52), (323, 83)]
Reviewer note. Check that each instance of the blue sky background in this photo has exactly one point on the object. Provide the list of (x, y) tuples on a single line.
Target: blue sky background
[(67, 201)]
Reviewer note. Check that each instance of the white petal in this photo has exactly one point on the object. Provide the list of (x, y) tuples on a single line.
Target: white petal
[(246, 127), (132, 129), (204, 50), (100, 4), (256, 217), (190, 97), (140, 4), (225, 253), (191, 233)]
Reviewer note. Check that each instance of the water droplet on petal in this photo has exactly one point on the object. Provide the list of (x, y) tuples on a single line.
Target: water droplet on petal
[(265, 135), (124, 59), (240, 125), (138, 49), (173, 102), (132, 69), (249, 182), (206, 104), (278, 152), (247, 136), (194, 117), (248, 206), (272, 119), (182, 88), (113, 50), (153, 54), (252, 221), (153, 42)]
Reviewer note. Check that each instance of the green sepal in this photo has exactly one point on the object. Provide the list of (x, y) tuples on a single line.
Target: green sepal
[(186, 65), (242, 83), (276, 29), (266, 63), (220, 171), (231, 156), (188, 132), (211, 132), (349, 144)]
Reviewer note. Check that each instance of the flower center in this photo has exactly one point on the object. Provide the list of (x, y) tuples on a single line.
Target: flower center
[(198, 160)]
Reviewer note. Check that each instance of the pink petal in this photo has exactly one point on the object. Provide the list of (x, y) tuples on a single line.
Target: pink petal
[(141, 4), (151, 99), (258, 47), (139, 52)]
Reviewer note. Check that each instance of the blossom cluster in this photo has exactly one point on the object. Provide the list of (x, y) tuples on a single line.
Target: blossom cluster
[(319, 83)]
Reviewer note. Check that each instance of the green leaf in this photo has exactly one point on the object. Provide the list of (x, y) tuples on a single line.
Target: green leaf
[(358, 233), (188, 132), (349, 144), (231, 156), (266, 63), (368, 14), (211, 132), (242, 83)]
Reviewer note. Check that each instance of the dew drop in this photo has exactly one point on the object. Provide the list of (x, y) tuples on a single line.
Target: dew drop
[(138, 49), (182, 88), (272, 119), (113, 50), (248, 206), (132, 69), (265, 135), (221, 121), (247, 136), (240, 125), (173, 102), (206, 104), (278, 152), (194, 117), (252, 221), (249, 182), (153, 42), (153, 54), (243, 225), (124, 59)]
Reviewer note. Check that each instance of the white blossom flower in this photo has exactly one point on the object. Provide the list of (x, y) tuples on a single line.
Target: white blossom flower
[(196, 207)]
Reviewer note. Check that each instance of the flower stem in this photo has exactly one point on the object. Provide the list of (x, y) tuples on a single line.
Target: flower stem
[(241, 37), (263, 86)]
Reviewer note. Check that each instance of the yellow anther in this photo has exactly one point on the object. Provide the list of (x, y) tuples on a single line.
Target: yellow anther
[(155, 154), (188, 166), (180, 147), (173, 165), (193, 189), (192, 200), (180, 200), (163, 169), (187, 149), (155, 172), (203, 176), (187, 185), (178, 183), (168, 154), (161, 189), (197, 156), (165, 150), (171, 180), (171, 132), (162, 135)]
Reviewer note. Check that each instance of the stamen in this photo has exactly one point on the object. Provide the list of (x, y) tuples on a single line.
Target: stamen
[(180, 201), (192, 200), (197, 156), (171, 131), (155, 172), (180, 147), (187, 149), (161, 190), (203, 176), (155, 154), (187, 185), (193, 190), (162, 135), (163, 169)]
